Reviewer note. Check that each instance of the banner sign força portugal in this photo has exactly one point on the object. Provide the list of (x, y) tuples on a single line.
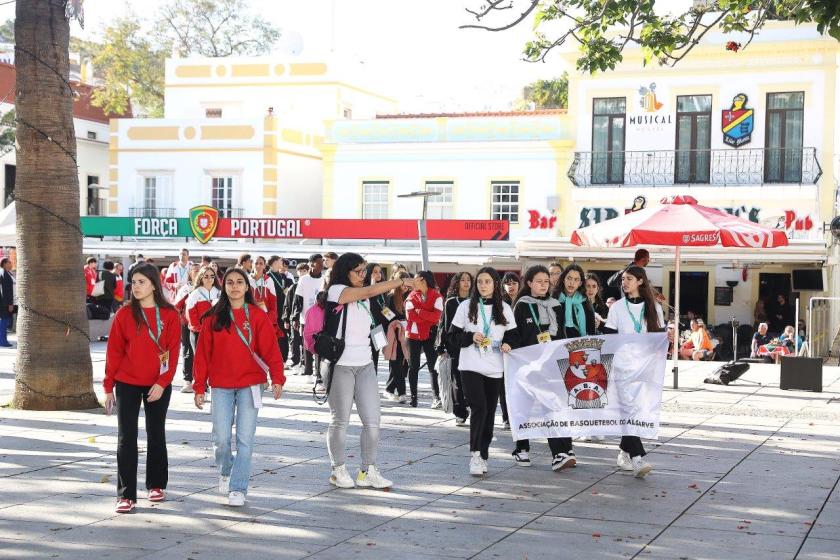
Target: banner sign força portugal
[(205, 223)]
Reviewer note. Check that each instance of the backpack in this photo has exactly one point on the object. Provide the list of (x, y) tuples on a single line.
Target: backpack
[(727, 373), (314, 323)]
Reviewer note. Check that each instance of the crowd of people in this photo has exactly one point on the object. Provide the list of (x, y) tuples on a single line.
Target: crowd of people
[(241, 331)]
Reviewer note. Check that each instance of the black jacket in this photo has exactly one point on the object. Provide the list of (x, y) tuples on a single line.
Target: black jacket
[(376, 304), (281, 283), (288, 305), (6, 297), (110, 280), (444, 343), (570, 331)]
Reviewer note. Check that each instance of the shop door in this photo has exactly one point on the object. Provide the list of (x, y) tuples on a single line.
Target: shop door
[(694, 294)]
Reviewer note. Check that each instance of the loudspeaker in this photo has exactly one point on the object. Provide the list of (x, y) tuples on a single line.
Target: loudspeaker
[(804, 374)]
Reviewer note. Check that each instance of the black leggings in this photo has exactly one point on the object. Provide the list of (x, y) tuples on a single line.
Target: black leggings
[(397, 370), (128, 399), (415, 348), (632, 445), (187, 351), (459, 400), (482, 394)]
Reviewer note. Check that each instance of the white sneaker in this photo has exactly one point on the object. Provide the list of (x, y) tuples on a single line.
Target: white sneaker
[(460, 421), (477, 464), (506, 426), (401, 399), (341, 478), (224, 485), (388, 396), (641, 468), (187, 388), (623, 462), (236, 499), (437, 404), (372, 479)]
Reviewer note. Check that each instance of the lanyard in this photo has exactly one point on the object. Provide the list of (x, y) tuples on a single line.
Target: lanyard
[(364, 305), (484, 318), (534, 315), (637, 323), (381, 300), (182, 272), (206, 297), (159, 324), (247, 326)]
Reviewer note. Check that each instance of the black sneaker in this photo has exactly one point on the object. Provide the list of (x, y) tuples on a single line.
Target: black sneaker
[(563, 461), (521, 457), (414, 402)]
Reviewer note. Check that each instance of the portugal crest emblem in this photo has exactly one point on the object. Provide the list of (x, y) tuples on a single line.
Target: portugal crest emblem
[(203, 221), (737, 123), (586, 373)]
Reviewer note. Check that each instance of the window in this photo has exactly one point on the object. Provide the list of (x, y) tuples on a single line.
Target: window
[(505, 205), (91, 135), (783, 143), (694, 133), (608, 115), (213, 113), (150, 188), (440, 207), (221, 196), (375, 200)]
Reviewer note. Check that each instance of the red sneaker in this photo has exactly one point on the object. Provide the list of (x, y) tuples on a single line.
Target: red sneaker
[(156, 495), (124, 505)]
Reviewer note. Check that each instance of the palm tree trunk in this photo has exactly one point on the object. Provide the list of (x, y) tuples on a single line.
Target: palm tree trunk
[(53, 362)]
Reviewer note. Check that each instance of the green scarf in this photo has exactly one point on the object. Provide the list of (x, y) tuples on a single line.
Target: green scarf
[(574, 311)]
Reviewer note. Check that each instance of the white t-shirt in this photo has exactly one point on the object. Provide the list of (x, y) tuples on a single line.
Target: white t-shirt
[(471, 358), (620, 320), (357, 343), (308, 288)]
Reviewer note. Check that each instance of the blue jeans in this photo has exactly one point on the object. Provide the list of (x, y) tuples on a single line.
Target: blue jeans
[(4, 329), (226, 403)]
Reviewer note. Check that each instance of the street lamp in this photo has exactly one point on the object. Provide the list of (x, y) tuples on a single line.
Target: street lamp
[(421, 223)]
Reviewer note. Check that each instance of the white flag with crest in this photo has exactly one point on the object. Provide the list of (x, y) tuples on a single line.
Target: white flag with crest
[(594, 385)]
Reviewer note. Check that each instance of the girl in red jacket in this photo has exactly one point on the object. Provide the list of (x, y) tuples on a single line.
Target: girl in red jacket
[(140, 363), (422, 310), (204, 295), (236, 352)]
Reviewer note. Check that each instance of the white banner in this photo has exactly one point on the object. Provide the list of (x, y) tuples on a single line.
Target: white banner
[(596, 385)]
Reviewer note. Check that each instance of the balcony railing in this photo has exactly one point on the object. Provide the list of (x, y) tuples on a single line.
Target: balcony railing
[(719, 168), (151, 212), (231, 212)]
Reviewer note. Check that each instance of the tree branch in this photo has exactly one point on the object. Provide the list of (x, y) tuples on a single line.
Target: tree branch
[(522, 16), (490, 7)]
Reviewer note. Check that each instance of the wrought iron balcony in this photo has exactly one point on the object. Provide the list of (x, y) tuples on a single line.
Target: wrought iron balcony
[(719, 168), (151, 212), (231, 212)]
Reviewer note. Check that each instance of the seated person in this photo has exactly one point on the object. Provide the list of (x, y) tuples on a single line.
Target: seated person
[(787, 339), (760, 338), (699, 344)]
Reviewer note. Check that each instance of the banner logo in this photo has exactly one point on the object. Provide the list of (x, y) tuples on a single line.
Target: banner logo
[(737, 122), (647, 98), (203, 221), (586, 373)]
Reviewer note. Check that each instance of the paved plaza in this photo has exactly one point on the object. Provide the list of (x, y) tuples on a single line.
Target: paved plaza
[(745, 471)]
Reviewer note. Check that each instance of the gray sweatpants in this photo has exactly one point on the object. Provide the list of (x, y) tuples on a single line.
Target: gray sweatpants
[(353, 384)]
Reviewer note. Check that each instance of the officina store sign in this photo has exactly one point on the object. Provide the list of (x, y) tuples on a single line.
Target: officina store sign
[(205, 224), (652, 117)]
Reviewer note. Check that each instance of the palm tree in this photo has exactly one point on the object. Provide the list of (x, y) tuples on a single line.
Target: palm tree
[(53, 361)]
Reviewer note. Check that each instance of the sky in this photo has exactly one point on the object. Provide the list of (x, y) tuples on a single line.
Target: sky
[(412, 49)]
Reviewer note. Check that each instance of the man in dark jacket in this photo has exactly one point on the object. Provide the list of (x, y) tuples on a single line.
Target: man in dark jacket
[(106, 300), (7, 302), (640, 259)]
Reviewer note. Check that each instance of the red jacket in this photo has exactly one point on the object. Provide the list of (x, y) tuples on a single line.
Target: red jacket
[(265, 296), (90, 280), (198, 303), (222, 358), (422, 314), (132, 356)]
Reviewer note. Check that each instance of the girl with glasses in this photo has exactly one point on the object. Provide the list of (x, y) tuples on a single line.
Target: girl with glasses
[(352, 378), (205, 294)]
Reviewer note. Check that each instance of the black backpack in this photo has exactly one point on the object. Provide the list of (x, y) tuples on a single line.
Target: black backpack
[(727, 373), (327, 344)]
